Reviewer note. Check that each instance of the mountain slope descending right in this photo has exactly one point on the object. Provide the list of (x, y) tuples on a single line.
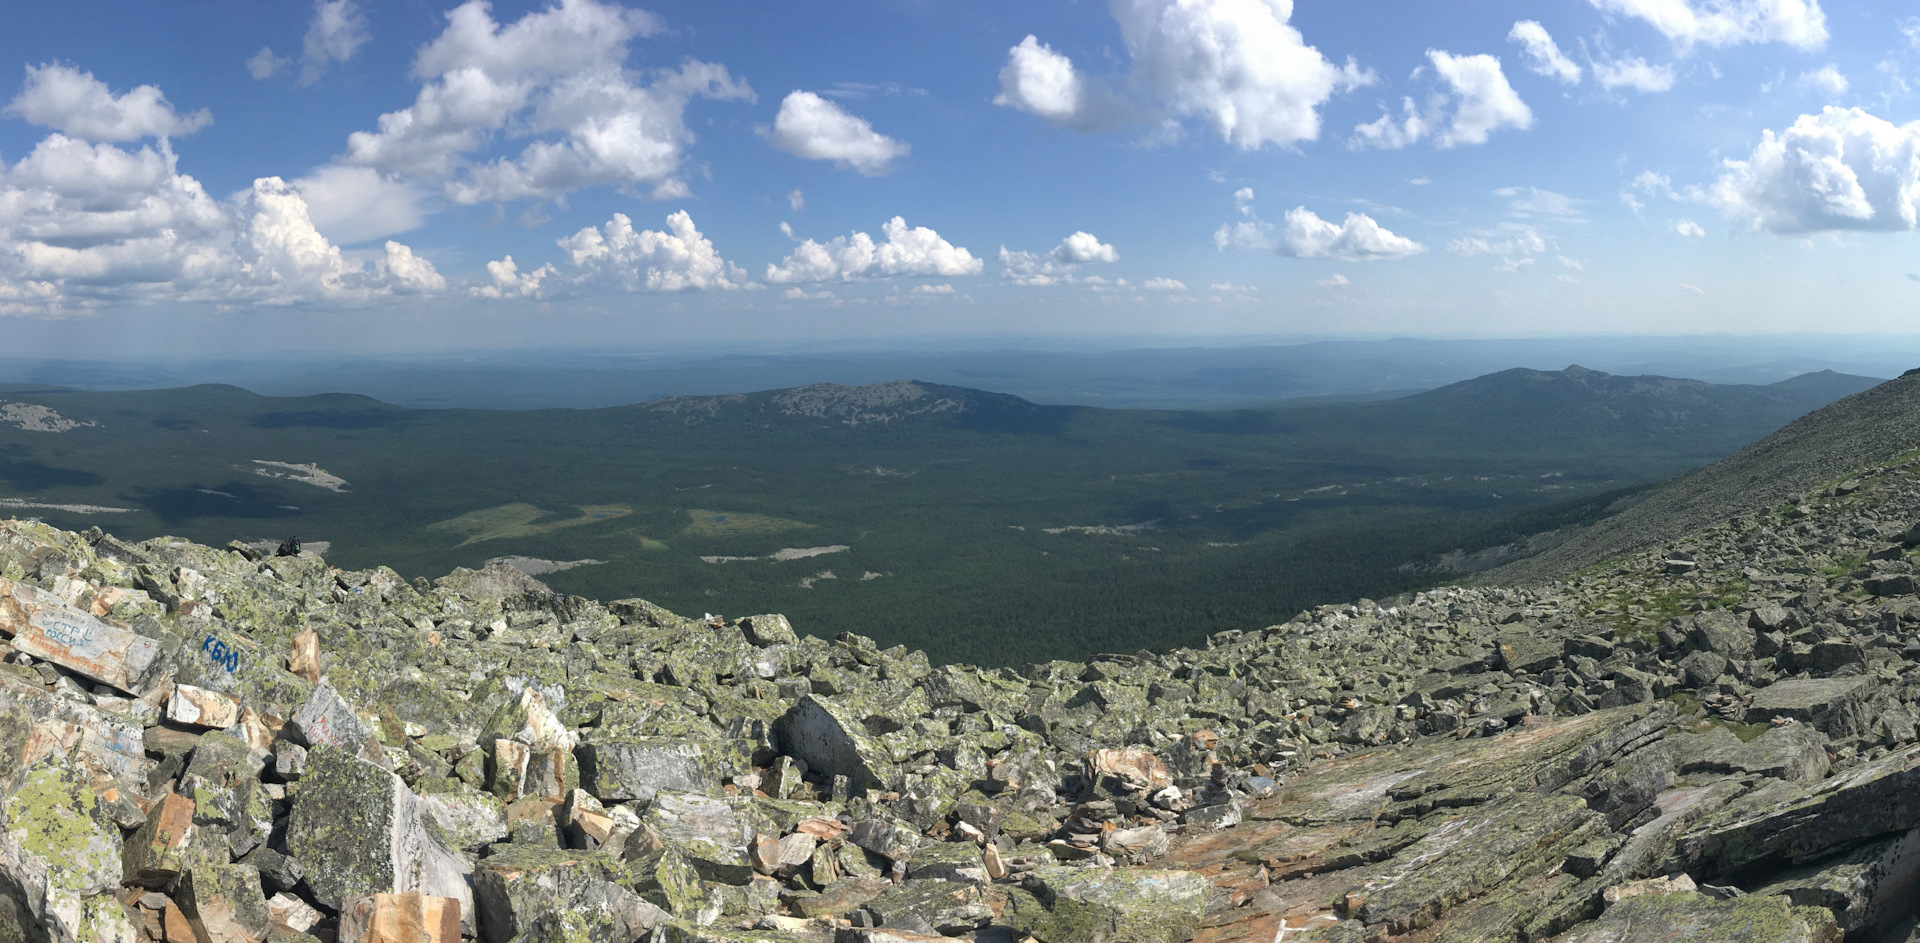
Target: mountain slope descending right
[(1816, 450)]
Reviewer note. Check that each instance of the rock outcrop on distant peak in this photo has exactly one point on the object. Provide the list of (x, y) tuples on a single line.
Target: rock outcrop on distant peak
[(1711, 738)]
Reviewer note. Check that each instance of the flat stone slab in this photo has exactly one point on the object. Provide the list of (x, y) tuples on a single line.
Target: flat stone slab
[(1697, 918), (1877, 798), (1807, 699), (45, 627)]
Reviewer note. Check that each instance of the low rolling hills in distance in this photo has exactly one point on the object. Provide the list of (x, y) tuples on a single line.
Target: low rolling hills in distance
[(977, 526)]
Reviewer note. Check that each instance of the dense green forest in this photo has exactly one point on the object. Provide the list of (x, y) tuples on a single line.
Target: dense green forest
[(977, 526)]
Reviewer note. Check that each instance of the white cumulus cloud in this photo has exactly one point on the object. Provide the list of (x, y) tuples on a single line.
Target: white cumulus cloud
[(1164, 284), (1826, 80), (1336, 280), (1633, 72), (904, 251), (1543, 55), (1798, 23), (1477, 101), (1689, 228), (1042, 82), (676, 260), (556, 77), (284, 259), (1487, 102), (1057, 265), (1236, 66), (86, 223), (337, 31), (355, 204), (78, 105), (1305, 235), (1842, 169), (817, 129), (507, 281), (1358, 238)]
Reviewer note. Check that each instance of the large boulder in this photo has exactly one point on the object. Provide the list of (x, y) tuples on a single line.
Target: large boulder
[(44, 626), (1868, 801), (622, 770), (357, 830), (705, 831), (60, 860), (1070, 905), (1693, 916), (327, 720), (224, 903), (523, 884), (831, 741), (1840, 706)]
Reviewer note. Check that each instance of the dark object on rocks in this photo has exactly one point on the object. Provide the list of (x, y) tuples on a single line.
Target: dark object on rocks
[(288, 548)]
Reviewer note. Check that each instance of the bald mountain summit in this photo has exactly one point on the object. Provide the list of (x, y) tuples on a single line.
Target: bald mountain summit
[(973, 525), (1709, 734)]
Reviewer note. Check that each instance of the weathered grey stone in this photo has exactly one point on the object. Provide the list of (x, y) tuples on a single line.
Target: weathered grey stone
[(44, 626), (706, 832), (1529, 652), (157, 852), (893, 840), (59, 857), (326, 719), (522, 884), (1835, 705), (768, 630), (1868, 888), (1084, 904), (357, 830), (942, 906), (1870, 800), (825, 736), (1696, 917), (623, 770), (1793, 752), (1721, 632), (224, 903)]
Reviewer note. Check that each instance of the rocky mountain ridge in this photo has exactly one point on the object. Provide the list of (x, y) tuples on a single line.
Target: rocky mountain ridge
[(1711, 738)]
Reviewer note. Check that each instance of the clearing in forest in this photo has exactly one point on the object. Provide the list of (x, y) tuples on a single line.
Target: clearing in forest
[(522, 520)]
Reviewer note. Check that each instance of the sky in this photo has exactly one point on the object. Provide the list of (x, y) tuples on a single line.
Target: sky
[(218, 176)]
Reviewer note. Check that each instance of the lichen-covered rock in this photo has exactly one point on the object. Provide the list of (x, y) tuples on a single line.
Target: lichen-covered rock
[(160, 849), (44, 626), (627, 769), (707, 832), (1697, 918), (60, 858), (224, 903), (1083, 905), (1866, 887), (1874, 799), (326, 719), (357, 830), (825, 736), (521, 885)]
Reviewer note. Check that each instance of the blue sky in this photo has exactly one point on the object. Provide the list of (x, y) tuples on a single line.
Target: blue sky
[(225, 176)]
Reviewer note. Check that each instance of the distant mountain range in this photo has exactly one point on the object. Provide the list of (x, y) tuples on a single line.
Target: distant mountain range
[(973, 524)]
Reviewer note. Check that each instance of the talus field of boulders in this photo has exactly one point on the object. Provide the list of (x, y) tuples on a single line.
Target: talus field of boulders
[(1709, 739)]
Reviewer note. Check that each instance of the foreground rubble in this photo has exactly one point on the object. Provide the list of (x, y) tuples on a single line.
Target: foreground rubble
[(1715, 741)]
